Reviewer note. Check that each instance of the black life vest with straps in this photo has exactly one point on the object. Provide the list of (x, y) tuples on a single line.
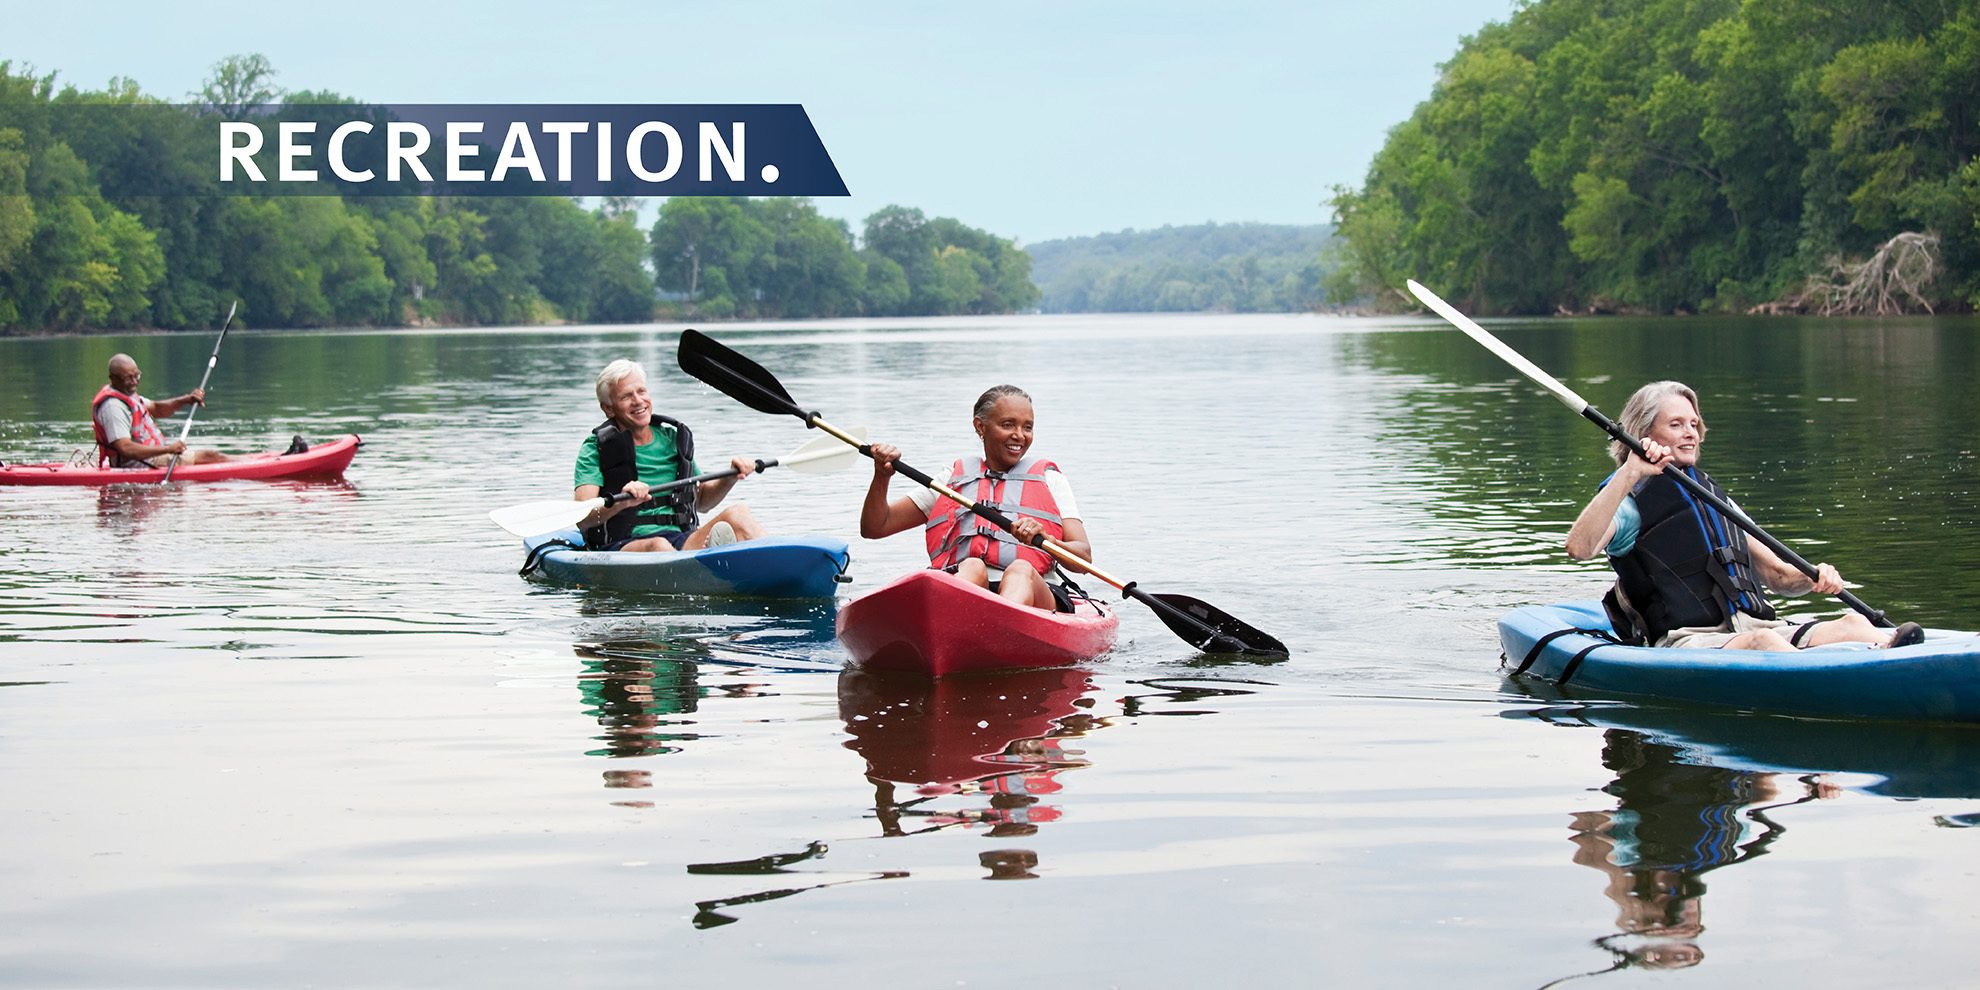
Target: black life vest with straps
[(618, 463), (1690, 565)]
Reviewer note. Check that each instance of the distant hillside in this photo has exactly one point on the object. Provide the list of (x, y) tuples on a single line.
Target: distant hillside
[(1233, 267)]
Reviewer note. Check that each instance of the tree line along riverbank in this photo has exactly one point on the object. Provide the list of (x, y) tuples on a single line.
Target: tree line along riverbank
[(73, 258), (1686, 156)]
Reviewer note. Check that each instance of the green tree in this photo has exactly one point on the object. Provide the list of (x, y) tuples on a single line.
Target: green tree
[(85, 264), (237, 83), (949, 267), (1673, 154), (813, 269), (706, 248), (16, 210), (885, 292)]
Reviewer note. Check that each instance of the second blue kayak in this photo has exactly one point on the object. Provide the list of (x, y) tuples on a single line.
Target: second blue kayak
[(771, 567), (1566, 645)]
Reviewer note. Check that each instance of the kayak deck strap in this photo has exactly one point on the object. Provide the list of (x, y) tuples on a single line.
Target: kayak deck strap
[(1541, 644), (1574, 663), (534, 560), (1605, 637)]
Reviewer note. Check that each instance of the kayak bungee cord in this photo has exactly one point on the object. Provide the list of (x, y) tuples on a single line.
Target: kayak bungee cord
[(1589, 412), (1200, 624)]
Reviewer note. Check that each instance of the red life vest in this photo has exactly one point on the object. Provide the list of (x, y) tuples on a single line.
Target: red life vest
[(956, 534), (143, 429)]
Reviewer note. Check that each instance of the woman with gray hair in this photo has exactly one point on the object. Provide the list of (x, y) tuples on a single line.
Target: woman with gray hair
[(1685, 575), (636, 449)]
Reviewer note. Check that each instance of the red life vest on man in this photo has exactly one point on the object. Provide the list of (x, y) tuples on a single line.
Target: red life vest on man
[(956, 534), (143, 429)]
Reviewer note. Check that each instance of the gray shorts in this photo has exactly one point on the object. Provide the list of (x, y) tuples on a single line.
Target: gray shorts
[(1714, 637)]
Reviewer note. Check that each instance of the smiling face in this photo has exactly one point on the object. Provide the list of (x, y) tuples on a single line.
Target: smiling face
[(124, 374), (1679, 427), (629, 405), (1006, 432)]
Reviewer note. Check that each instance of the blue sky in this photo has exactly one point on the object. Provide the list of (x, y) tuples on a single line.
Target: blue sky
[(1030, 120)]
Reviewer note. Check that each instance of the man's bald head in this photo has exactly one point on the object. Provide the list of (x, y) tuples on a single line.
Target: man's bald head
[(124, 373)]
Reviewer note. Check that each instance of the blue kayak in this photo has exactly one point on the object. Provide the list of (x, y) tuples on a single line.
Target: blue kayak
[(772, 567), (1569, 646)]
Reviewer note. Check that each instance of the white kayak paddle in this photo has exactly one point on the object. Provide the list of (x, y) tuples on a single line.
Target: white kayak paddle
[(821, 456)]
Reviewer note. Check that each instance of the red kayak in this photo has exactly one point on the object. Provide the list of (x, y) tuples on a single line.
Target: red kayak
[(324, 460), (935, 624)]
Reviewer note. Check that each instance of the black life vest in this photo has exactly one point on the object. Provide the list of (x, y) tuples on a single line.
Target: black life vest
[(1690, 565), (618, 462)]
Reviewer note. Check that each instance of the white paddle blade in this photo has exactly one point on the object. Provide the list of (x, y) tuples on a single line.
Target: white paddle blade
[(538, 518), (825, 454), (1497, 346)]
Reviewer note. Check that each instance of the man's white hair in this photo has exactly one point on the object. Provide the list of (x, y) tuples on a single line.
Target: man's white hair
[(609, 379)]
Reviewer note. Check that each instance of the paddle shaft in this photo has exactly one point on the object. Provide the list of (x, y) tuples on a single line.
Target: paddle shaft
[(1204, 626), (762, 464), (1732, 512), (1588, 411), (1003, 522), (211, 360), (535, 518), (727, 472)]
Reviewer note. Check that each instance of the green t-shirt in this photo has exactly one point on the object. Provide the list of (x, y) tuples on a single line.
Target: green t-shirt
[(656, 467)]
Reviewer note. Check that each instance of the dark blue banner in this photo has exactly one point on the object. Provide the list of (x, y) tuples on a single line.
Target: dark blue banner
[(490, 150)]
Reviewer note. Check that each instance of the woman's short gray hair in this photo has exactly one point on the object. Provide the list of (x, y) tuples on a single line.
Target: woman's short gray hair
[(988, 400), (1641, 410), (610, 378)]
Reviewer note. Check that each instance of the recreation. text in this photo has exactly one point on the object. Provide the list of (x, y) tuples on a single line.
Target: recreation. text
[(653, 151)]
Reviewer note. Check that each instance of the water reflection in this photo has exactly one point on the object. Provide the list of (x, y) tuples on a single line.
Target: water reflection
[(126, 510), (1183, 690), (1899, 760), (641, 701), (644, 692), (1696, 791), (123, 509), (1674, 822), (707, 915), (978, 753), (999, 743)]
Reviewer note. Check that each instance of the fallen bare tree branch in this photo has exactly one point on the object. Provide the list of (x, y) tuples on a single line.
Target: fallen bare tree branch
[(1900, 272)]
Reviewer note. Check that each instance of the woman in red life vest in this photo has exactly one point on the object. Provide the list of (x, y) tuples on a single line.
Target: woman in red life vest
[(1031, 491)]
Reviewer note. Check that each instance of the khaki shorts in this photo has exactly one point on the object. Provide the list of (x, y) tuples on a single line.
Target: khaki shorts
[(1714, 637)]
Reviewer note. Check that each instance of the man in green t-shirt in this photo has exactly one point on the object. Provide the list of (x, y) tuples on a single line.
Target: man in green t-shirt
[(633, 451)]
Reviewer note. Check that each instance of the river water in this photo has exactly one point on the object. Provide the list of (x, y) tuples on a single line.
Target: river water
[(269, 734)]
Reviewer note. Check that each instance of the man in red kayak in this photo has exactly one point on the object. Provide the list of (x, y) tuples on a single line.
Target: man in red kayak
[(1032, 492), (126, 423), (636, 449), (1685, 575)]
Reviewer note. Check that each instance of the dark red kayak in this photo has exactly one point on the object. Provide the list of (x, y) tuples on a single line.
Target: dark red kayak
[(324, 460), (936, 624)]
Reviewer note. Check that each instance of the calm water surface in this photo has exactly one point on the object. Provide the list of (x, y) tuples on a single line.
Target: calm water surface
[(321, 734)]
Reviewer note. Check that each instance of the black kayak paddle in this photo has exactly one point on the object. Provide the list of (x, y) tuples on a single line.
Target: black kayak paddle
[(1202, 625)]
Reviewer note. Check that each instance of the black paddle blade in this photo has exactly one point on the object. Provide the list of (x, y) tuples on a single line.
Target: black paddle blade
[(1209, 628), (735, 376)]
